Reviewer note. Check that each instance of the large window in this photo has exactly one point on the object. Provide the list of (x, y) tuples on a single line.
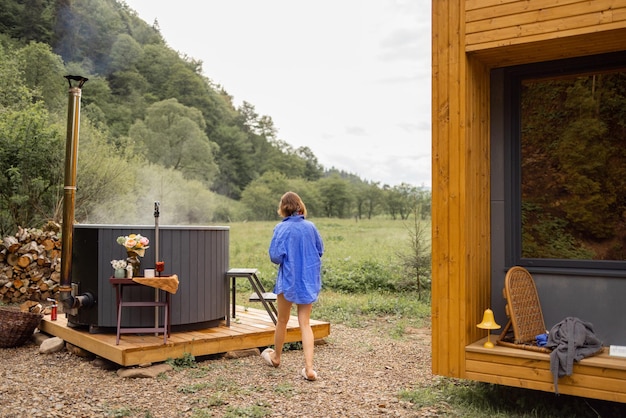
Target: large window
[(568, 148)]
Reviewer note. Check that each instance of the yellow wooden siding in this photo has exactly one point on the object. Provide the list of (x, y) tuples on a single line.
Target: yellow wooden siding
[(553, 49), (504, 32), (460, 192), (477, 208), (446, 26)]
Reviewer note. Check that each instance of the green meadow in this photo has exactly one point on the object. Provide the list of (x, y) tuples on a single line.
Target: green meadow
[(362, 269), (347, 243)]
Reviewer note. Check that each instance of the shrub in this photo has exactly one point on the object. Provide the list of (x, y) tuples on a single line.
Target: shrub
[(359, 277)]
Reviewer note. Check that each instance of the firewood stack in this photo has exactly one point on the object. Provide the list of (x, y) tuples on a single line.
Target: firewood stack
[(30, 264)]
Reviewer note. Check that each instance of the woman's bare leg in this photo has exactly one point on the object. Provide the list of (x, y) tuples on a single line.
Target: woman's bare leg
[(304, 316), (284, 312)]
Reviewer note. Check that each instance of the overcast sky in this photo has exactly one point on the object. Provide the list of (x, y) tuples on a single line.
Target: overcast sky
[(349, 79)]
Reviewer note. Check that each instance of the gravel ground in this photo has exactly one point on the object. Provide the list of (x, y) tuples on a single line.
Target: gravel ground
[(361, 371)]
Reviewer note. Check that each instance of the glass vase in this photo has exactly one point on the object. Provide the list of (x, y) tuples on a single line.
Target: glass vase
[(119, 273)]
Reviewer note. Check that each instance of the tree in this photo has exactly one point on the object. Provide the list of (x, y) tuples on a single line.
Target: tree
[(172, 135), (313, 170), (97, 102), (125, 53), (31, 161), (393, 201), (588, 203), (10, 17), (236, 161), (103, 175), (367, 197), (265, 127), (171, 76), (13, 94), (262, 195), (31, 151), (417, 261), (400, 200), (373, 198), (86, 31), (282, 158), (335, 196), (28, 20), (155, 65), (127, 101), (42, 72), (38, 20)]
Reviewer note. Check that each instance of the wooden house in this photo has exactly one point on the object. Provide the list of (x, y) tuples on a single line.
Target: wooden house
[(482, 53)]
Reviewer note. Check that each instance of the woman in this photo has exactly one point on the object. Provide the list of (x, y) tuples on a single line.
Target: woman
[(297, 248)]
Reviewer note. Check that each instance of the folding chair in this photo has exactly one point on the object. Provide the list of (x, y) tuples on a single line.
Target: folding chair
[(523, 310)]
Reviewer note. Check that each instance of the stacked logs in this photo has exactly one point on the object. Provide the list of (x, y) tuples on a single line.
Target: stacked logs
[(30, 264)]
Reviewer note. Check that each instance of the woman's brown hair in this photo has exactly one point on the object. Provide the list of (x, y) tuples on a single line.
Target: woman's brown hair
[(291, 204)]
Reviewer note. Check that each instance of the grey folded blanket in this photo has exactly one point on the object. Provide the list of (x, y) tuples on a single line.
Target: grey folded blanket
[(570, 340)]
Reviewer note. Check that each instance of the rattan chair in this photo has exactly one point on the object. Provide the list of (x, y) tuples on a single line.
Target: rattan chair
[(523, 310)]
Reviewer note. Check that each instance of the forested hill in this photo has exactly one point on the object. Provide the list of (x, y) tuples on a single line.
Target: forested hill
[(153, 126), (134, 76)]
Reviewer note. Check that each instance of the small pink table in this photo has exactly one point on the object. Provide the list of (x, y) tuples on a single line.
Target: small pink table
[(168, 285)]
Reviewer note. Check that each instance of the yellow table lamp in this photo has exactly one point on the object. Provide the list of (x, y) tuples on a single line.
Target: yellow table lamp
[(488, 323)]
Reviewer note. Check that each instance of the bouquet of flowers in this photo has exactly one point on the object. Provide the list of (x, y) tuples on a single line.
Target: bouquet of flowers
[(118, 264), (135, 243)]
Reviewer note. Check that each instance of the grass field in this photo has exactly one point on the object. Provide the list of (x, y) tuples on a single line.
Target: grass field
[(361, 268), (344, 240)]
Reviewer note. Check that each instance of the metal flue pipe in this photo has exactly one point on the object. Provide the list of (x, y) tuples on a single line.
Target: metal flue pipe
[(157, 213), (156, 257), (69, 196)]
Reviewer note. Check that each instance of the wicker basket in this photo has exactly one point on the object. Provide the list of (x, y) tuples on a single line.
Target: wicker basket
[(16, 326)]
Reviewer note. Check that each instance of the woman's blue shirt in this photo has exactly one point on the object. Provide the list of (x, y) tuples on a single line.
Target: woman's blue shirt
[(297, 248)]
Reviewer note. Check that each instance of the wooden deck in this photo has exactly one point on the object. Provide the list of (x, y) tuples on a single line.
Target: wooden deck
[(251, 328), (600, 376)]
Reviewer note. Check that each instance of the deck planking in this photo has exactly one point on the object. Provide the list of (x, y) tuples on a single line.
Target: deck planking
[(250, 328)]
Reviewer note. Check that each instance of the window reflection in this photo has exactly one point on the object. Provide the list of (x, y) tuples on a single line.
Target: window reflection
[(573, 166)]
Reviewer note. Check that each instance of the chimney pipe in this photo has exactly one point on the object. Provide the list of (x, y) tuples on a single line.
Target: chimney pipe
[(70, 303)]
